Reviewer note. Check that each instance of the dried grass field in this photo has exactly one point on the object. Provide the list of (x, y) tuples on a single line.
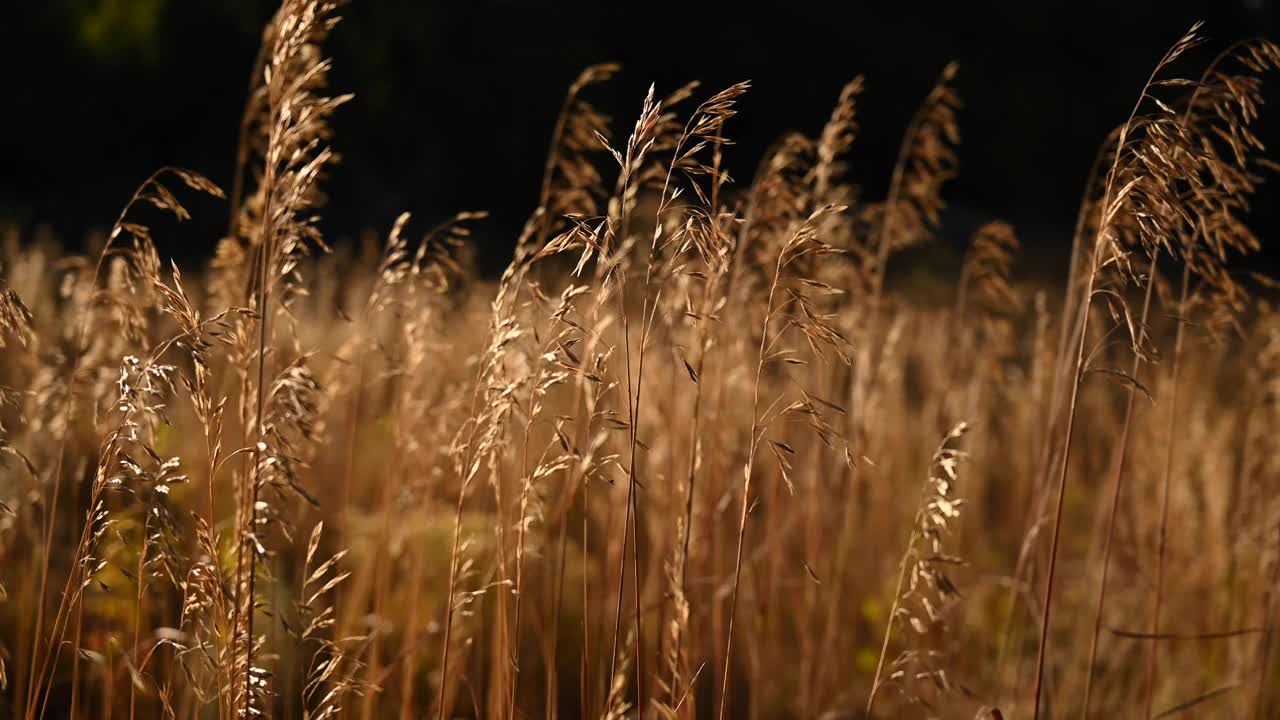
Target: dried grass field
[(693, 454)]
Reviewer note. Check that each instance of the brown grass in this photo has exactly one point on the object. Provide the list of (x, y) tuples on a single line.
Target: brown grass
[(667, 464)]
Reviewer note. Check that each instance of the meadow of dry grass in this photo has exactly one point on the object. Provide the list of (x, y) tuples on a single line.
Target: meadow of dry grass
[(691, 455)]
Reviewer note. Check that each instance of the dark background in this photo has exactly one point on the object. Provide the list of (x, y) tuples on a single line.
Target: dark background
[(455, 101)]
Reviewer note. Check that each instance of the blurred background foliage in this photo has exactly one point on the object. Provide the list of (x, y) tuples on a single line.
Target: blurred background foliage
[(456, 100)]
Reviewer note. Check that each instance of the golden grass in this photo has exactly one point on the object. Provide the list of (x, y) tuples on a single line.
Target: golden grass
[(682, 459)]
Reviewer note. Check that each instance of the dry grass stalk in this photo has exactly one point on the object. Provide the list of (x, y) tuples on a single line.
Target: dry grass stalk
[(925, 592)]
